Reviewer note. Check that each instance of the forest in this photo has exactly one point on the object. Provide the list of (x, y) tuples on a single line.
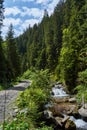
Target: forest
[(57, 44)]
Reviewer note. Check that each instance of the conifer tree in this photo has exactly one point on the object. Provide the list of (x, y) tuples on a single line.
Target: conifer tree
[(14, 67), (2, 58), (1, 14), (72, 45)]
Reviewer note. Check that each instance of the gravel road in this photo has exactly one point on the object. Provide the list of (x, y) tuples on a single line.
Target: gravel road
[(7, 97)]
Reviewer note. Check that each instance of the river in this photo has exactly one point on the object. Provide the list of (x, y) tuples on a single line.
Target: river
[(58, 91)]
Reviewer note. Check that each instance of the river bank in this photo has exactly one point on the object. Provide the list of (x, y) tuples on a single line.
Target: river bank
[(64, 110)]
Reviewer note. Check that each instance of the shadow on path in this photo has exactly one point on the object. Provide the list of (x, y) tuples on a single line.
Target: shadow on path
[(21, 86)]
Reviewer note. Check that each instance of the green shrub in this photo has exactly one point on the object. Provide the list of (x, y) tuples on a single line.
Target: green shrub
[(27, 74), (36, 95), (45, 128), (82, 87), (17, 125), (33, 98)]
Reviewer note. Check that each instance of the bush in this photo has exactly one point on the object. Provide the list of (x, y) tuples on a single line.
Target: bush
[(27, 75), (18, 124), (36, 96), (33, 98), (82, 87), (45, 128)]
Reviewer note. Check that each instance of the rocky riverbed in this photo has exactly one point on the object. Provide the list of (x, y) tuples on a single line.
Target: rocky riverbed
[(7, 99), (64, 112)]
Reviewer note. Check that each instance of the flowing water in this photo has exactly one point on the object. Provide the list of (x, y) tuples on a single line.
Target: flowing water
[(81, 125), (58, 91)]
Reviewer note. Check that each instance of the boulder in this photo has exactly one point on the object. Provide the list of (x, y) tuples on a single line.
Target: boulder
[(47, 114), (57, 111), (85, 105), (58, 125), (72, 100), (60, 100), (49, 119), (64, 108), (58, 121), (70, 125), (64, 120), (73, 110), (83, 112)]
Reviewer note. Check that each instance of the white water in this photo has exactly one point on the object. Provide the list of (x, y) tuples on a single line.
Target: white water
[(80, 124), (59, 92)]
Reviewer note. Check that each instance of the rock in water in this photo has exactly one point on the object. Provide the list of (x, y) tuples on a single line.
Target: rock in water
[(83, 112), (48, 114), (70, 125), (64, 120), (72, 100)]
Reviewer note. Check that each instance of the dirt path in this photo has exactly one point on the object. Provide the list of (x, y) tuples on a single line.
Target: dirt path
[(10, 95)]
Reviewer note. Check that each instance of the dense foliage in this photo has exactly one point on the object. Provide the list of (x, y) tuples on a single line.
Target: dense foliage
[(58, 43), (12, 56), (31, 103), (82, 86), (2, 58)]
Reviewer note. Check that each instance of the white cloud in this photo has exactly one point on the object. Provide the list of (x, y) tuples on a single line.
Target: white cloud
[(35, 1), (42, 1), (17, 32), (27, 0), (5, 29), (14, 21), (24, 0), (30, 22), (18, 24), (51, 6), (34, 15), (14, 11), (24, 11), (34, 12)]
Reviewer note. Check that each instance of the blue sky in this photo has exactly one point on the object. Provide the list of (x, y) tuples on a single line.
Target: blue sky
[(22, 13)]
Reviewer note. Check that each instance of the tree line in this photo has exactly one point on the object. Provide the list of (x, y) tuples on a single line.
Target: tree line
[(10, 66)]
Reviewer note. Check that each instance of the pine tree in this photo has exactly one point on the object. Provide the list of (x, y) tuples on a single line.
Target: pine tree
[(58, 19), (2, 58), (1, 14), (14, 67), (73, 43)]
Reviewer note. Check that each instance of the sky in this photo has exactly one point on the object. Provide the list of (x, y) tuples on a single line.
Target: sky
[(22, 13)]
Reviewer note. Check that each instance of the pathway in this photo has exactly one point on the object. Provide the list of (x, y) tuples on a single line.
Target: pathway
[(10, 95)]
